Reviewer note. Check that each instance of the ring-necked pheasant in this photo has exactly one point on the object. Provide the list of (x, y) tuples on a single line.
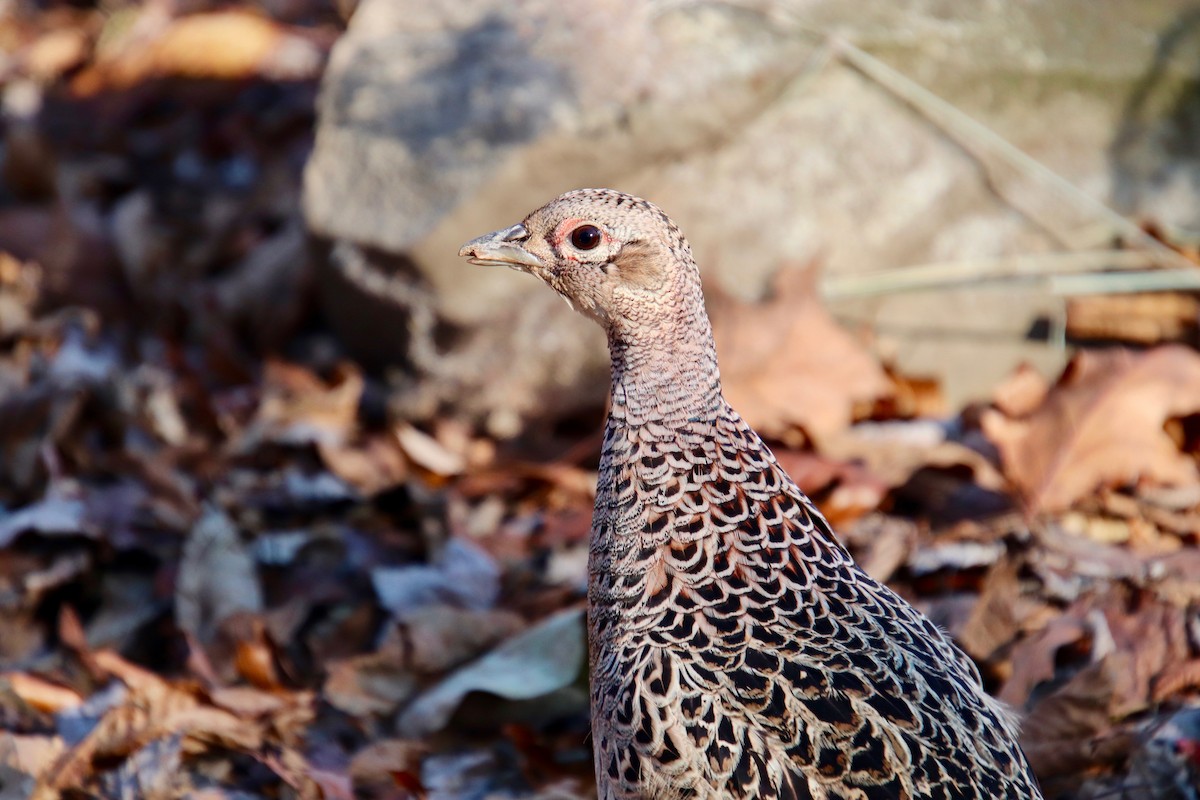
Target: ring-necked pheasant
[(737, 651)]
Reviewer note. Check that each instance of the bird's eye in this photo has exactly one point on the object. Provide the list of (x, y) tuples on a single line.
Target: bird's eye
[(586, 237)]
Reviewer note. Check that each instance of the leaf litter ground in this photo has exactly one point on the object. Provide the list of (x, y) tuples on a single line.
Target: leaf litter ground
[(228, 572)]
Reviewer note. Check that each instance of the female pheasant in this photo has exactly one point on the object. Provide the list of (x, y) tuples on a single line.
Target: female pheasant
[(737, 650)]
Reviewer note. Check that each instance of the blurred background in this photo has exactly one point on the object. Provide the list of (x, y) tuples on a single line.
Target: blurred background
[(294, 502)]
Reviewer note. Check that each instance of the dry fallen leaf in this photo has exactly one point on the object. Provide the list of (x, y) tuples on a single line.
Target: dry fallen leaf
[(1021, 392), (844, 490), (376, 765), (370, 684), (914, 396), (1132, 638), (217, 577), (894, 451), (55, 53), (536, 662), (30, 754), (786, 363), (464, 575), (40, 693), (1101, 425), (442, 637), (299, 408), (1148, 318), (1177, 679), (1072, 730), (881, 544), (372, 465), (994, 620), (154, 709), (223, 45), (427, 452)]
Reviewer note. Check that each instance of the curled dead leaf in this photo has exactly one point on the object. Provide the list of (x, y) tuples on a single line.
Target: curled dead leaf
[(372, 465), (542, 659), (369, 685), (217, 577), (1101, 425), (428, 453), (41, 693), (1021, 392), (1072, 730), (775, 374), (299, 408), (390, 763), (223, 45), (1177, 679), (29, 754)]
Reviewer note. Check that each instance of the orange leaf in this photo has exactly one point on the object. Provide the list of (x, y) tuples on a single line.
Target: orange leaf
[(224, 45), (787, 364), (1101, 425), (41, 694)]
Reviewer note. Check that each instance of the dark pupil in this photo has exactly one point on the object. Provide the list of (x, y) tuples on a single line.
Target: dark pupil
[(585, 237)]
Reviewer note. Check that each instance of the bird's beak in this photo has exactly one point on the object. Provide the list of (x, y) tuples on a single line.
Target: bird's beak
[(502, 249)]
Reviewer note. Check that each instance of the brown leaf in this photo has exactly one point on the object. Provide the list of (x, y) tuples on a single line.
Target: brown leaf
[(881, 544), (993, 622), (1177, 679), (41, 693), (367, 685), (54, 53), (786, 364), (217, 577), (1142, 632), (1071, 730), (1101, 425), (893, 452), (299, 408), (914, 396), (1033, 659), (248, 702), (371, 466), (29, 754), (844, 490), (154, 709), (376, 766), (1148, 318), (562, 480), (1153, 637), (428, 453), (1021, 392), (254, 655), (224, 45)]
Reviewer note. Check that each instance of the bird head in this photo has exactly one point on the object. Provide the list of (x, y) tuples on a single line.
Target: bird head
[(614, 257)]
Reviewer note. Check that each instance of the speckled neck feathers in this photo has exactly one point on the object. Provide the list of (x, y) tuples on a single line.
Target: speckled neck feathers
[(664, 366)]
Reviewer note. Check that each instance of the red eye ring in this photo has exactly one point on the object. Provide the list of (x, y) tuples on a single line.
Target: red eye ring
[(586, 237)]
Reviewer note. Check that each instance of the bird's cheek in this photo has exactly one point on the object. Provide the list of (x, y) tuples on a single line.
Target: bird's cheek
[(546, 275), (584, 294)]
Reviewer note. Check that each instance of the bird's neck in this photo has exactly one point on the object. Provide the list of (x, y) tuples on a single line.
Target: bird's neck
[(665, 375)]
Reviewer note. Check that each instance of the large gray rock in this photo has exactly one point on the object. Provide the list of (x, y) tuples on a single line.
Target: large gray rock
[(440, 121)]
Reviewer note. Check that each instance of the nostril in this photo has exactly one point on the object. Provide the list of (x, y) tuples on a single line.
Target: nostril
[(516, 233)]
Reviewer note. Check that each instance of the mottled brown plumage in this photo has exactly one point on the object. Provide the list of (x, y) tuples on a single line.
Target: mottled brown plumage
[(737, 650)]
